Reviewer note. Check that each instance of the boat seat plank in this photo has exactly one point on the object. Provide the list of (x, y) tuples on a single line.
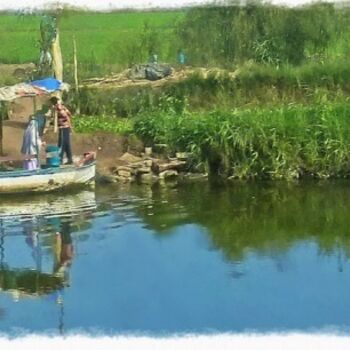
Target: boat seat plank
[(16, 159)]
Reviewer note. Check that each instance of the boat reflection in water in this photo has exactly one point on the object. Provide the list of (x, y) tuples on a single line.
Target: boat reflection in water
[(47, 224)]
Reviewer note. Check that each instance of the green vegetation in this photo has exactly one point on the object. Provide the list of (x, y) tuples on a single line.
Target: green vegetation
[(223, 36), (264, 217), (106, 42), (268, 34), (254, 86), (284, 113), (88, 124), (281, 142)]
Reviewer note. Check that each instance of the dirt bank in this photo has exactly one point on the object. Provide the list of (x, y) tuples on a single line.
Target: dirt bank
[(16, 72), (109, 147), (121, 80)]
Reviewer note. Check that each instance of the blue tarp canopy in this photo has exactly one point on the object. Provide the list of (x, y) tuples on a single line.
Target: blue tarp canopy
[(49, 84), (33, 88)]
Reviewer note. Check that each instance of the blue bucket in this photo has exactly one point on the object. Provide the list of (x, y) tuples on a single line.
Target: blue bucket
[(52, 156)]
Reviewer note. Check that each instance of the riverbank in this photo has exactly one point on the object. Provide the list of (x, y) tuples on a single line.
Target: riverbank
[(120, 158), (284, 142), (109, 147)]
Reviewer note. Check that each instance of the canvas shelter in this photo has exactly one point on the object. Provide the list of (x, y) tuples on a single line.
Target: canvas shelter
[(32, 89)]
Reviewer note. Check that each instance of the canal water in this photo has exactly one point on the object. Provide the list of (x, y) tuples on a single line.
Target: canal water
[(190, 258)]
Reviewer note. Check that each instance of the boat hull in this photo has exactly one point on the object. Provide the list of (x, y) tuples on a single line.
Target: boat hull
[(44, 180)]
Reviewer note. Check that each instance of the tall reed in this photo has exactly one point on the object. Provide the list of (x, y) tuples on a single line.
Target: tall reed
[(281, 142)]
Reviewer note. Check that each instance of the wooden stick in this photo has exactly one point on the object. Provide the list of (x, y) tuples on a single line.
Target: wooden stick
[(1, 135), (2, 112), (55, 121), (34, 105), (57, 57), (76, 73), (18, 158)]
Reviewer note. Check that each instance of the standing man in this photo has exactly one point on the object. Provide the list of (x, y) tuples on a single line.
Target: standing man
[(64, 117)]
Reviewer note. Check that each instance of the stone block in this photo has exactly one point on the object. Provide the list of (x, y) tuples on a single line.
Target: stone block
[(168, 174)]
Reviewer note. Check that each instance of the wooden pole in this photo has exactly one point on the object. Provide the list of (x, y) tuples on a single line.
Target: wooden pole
[(1, 134), (76, 74), (4, 111), (2, 241), (57, 62), (55, 120), (36, 126), (34, 104)]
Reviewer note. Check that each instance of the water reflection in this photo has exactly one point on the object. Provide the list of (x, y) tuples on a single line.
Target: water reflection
[(266, 218), (46, 224), (64, 251), (177, 259), (275, 247)]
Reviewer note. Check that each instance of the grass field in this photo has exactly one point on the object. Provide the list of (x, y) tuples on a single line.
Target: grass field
[(218, 36), (102, 38)]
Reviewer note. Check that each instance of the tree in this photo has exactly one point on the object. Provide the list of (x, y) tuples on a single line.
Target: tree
[(50, 62)]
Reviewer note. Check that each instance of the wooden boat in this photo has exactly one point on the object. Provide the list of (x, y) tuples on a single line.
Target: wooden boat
[(49, 179)]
